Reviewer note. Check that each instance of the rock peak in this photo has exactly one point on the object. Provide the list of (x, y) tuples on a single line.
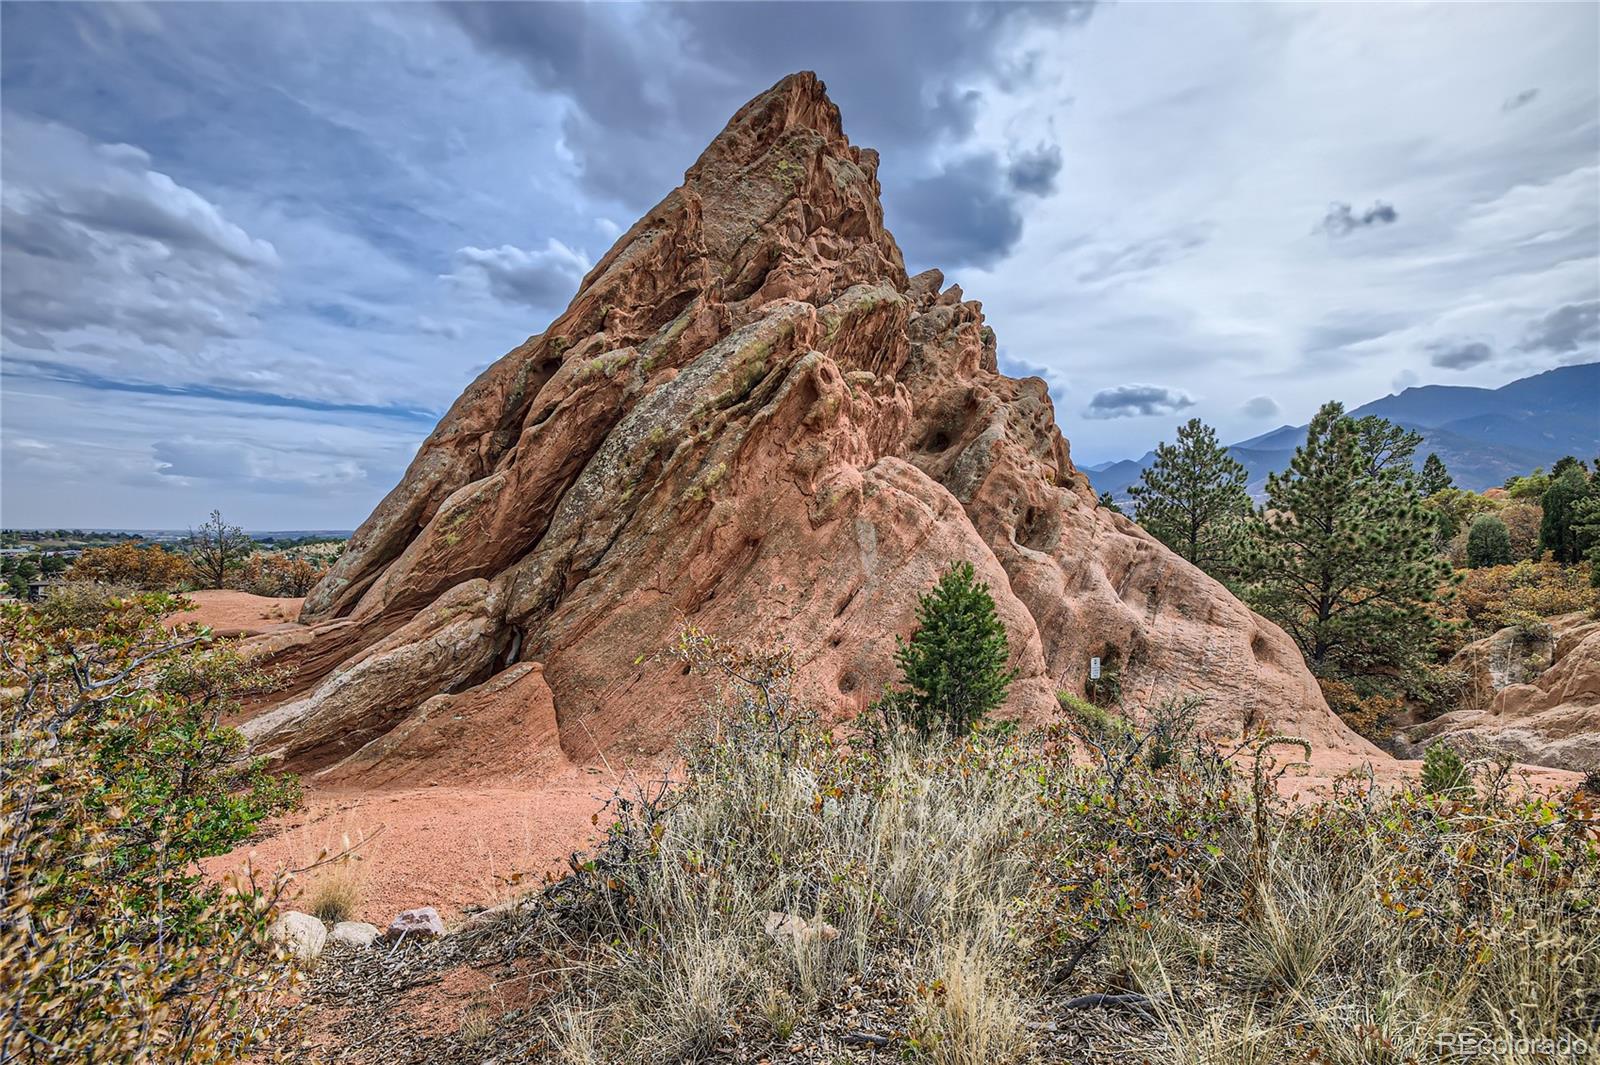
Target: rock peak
[(796, 101), (750, 420)]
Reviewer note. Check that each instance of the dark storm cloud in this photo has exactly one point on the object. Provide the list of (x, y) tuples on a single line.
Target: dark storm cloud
[(1459, 354), (1521, 99), (1137, 401), (961, 214), (1035, 171), (1341, 219), (649, 86), (1565, 329)]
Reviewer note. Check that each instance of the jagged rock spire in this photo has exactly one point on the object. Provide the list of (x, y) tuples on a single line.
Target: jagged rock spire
[(750, 419)]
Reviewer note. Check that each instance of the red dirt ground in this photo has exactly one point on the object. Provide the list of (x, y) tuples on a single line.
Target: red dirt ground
[(453, 848), (232, 613)]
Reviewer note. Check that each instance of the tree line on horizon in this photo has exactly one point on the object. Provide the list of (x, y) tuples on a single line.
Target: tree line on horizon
[(214, 555)]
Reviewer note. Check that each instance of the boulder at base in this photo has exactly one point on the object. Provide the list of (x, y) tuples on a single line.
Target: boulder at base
[(750, 420), (355, 933), (301, 933)]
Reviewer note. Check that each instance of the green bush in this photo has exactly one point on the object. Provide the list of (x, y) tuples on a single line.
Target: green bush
[(954, 667), (118, 779), (1095, 720), (1443, 771), (1488, 543)]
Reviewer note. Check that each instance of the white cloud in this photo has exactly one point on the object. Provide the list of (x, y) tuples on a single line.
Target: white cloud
[(97, 241), (1198, 194), (545, 279)]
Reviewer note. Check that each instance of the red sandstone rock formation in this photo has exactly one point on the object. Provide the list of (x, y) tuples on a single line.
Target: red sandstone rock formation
[(1534, 697), (751, 420)]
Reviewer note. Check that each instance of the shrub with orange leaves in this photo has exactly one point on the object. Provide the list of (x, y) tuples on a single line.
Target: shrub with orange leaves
[(277, 573), (1493, 597), (149, 568)]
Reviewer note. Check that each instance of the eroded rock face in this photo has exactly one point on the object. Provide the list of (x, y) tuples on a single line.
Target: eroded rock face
[(749, 419), (1535, 697)]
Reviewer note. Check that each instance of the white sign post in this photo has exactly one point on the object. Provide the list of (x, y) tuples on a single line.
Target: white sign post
[(1094, 669)]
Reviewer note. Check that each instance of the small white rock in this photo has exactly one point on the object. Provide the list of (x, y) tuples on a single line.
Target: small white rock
[(303, 934), (423, 922), (355, 933), (797, 929)]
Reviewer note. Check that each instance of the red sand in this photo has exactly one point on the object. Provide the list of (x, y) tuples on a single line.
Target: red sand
[(232, 613), (436, 846)]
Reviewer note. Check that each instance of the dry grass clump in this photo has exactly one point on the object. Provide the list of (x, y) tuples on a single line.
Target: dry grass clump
[(337, 884), (335, 895), (993, 898), (965, 1011)]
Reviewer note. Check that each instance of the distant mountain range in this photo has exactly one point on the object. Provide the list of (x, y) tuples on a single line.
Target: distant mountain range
[(1484, 435)]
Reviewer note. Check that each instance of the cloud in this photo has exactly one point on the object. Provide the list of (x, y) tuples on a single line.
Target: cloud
[(1350, 329), (1521, 99), (1459, 354), (369, 143), (1141, 256), (1055, 379), (961, 215), (1403, 380), (1341, 219), (236, 465), (95, 238), (675, 72), (1035, 171), (1565, 329), (1260, 407), (434, 327), (1137, 401), (234, 390), (542, 279)]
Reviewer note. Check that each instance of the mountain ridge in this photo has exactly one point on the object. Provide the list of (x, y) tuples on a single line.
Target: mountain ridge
[(1483, 435)]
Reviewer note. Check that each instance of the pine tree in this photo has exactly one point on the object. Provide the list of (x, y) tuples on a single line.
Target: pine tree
[(1488, 542), (1387, 449), (1342, 555), (1557, 533), (1434, 478), (1586, 529), (954, 666), (1193, 498), (1108, 503)]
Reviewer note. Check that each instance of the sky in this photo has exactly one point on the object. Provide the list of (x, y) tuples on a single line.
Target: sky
[(249, 254)]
